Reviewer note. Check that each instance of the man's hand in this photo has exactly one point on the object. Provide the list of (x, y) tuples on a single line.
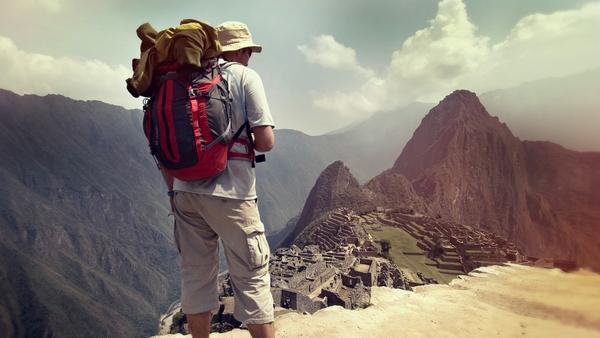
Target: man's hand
[(264, 138)]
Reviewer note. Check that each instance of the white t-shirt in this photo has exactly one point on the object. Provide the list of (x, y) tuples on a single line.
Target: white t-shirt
[(238, 180)]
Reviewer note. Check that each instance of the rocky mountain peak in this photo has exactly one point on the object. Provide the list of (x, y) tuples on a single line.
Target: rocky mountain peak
[(458, 125), (463, 101), (336, 178), (467, 166), (465, 163), (458, 109), (335, 187)]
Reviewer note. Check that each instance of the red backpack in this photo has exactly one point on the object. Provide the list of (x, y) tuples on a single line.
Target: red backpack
[(188, 122)]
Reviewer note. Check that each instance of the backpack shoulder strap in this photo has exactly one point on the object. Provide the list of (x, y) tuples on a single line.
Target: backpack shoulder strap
[(246, 124)]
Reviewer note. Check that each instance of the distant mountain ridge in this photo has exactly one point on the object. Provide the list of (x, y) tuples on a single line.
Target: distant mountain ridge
[(86, 248)]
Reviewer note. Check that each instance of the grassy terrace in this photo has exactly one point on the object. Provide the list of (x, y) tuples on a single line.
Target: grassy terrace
[(402, 242)]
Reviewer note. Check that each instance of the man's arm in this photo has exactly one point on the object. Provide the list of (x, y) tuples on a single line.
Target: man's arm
[(264, 138), (258, 111)]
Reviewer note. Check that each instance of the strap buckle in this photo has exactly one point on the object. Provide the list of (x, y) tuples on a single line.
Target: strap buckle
[(191, 92)]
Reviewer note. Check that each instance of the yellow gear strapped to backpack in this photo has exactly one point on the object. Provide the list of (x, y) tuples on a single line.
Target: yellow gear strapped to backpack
[(187, 44)]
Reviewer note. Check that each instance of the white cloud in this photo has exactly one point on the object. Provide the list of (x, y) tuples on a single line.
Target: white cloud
[(544, 45), (351, 105), (434, 58), (327, 52), (32, 73), (451, 54)]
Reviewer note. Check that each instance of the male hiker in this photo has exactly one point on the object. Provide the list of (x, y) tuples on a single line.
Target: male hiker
[(225, 207)]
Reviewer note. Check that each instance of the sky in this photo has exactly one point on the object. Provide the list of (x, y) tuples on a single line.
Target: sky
[(325, 64)]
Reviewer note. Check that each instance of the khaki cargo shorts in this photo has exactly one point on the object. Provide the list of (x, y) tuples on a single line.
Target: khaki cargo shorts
[(200, 220)]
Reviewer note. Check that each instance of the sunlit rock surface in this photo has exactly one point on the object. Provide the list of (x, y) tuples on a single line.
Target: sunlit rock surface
[(496, 301)]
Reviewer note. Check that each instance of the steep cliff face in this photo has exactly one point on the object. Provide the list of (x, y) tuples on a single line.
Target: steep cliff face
[(83, 222), (467, 166), (564, 199), (335, 187)]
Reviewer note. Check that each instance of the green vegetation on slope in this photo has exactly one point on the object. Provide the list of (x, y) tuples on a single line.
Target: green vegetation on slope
[(402, 243)]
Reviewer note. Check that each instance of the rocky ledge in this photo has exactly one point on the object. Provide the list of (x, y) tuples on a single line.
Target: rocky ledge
[(501, 301)]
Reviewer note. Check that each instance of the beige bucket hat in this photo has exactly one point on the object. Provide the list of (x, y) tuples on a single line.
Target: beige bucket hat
[(235, 35)]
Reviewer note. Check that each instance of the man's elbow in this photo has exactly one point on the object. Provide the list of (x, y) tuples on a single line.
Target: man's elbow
[(264, 138), (264, 146)]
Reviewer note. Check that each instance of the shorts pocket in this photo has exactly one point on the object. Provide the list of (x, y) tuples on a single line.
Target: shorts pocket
[(254, 231), (258, 248)]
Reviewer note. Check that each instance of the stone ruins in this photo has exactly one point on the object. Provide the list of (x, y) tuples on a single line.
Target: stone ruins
[(335, 261), (337, 265)]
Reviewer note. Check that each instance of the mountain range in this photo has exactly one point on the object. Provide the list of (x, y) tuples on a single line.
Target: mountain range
[(464, 165), (563, 110), (83, 214)]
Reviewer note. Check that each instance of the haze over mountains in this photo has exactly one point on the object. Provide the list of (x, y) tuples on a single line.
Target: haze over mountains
[(563, 110)]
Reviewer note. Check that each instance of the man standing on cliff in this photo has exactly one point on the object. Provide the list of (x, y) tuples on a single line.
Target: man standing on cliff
[(225, 207)]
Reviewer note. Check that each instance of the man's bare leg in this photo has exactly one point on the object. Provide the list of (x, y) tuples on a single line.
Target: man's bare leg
[(199, 324), (261, 330)]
